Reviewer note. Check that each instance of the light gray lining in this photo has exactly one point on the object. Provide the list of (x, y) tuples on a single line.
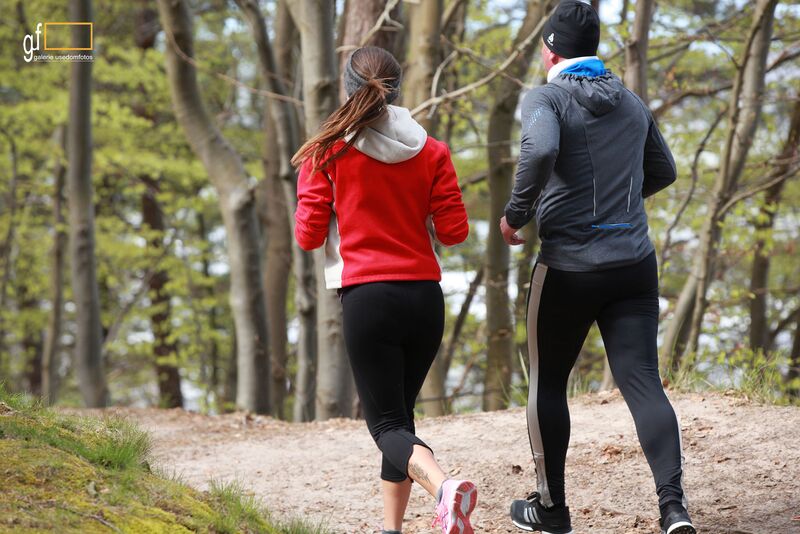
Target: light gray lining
[(534, 432)]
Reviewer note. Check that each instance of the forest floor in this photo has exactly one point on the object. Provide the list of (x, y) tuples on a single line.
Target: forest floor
[(742, 465)]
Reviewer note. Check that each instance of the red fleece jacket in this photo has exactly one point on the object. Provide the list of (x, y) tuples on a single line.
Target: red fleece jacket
[(373, 217)]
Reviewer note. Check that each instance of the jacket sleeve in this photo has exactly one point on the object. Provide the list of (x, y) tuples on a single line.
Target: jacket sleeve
[(448, 214), (314, 208), (659, 165), (541, 133)]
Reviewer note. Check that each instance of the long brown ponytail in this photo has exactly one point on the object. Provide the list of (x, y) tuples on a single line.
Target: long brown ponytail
[(366, 105)]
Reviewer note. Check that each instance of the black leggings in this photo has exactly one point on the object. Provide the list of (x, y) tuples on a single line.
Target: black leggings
[(561, 308), (392, 331)]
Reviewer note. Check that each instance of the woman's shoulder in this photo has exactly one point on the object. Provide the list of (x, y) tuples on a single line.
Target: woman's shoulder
[(436, 148)]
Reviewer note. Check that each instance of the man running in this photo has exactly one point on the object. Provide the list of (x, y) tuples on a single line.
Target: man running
[(591, 152)]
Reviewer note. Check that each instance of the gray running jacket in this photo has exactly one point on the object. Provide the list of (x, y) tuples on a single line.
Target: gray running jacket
[(591, 152)]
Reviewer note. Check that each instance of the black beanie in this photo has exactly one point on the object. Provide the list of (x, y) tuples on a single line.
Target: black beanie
[(573, 30)]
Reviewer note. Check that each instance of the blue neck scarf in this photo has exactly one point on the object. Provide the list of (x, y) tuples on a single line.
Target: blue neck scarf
[(590, 68)]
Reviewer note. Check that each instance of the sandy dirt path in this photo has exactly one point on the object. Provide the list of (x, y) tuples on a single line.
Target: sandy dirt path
[(742, 465)]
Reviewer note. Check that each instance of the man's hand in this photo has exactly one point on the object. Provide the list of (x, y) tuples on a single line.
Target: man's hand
[(509, 234)]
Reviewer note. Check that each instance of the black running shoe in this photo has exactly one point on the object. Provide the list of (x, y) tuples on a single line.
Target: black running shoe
[(530, 514), (677, 522)]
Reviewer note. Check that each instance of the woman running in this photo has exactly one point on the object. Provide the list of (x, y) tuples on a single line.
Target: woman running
[(376, 191)]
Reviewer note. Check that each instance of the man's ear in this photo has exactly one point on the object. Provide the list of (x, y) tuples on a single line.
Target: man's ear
[(554, 58), (549, 57)]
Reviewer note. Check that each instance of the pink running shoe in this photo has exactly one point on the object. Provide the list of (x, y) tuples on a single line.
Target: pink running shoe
[(459, 498)]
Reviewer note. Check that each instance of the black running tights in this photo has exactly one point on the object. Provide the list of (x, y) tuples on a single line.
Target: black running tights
[(561, 308), (392, 331)]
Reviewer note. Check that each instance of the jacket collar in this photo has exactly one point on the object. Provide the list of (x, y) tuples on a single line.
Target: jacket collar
[(565, 65)]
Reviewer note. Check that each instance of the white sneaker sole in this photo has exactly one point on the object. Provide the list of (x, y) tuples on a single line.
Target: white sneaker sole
[(682, 527), (529, 529)]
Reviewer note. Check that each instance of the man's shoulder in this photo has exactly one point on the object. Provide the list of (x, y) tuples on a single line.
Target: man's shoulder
[(547, 95)]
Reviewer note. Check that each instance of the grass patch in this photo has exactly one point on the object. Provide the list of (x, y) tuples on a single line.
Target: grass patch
[(65, 473), (753, 375)]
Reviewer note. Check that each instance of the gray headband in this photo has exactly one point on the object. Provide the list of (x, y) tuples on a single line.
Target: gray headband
[(353, 82)]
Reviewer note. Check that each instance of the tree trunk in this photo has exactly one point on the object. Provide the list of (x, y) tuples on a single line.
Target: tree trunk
[(164, 350), (230, 387), (608, 379), (50, 360), (276, 69), (759, 275), (423, 56), (432, 398), (227, 173), (88, 340), (272, 197), (676, 333), (636, 49), (277, 263), (500, 332), (315, 20), (7, 249), (286, 44), (213, 387), (745, 107), (746, 104), (793, 375), (359, 18), (623, 12), (31, 338), (167, 374)]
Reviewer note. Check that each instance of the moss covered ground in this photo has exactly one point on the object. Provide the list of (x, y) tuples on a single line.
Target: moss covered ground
[(66, 473)]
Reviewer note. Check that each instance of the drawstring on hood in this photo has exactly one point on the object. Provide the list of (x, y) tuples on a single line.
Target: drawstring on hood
[(393, 138)]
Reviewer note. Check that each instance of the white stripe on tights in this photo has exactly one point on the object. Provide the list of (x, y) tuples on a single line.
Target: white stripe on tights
[(534, 432)]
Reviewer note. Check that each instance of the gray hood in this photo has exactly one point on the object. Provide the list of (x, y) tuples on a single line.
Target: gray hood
[(599, 94), (394, 138)]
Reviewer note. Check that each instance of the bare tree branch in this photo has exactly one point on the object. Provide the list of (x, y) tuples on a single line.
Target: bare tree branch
[(785, 56), (482, 62), (229, 79), (766, 184), (517, 52), (695, 175), (476, 178), (458, 326), (450, 12)]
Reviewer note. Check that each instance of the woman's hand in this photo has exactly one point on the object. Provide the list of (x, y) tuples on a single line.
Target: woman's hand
[(509, 234)]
